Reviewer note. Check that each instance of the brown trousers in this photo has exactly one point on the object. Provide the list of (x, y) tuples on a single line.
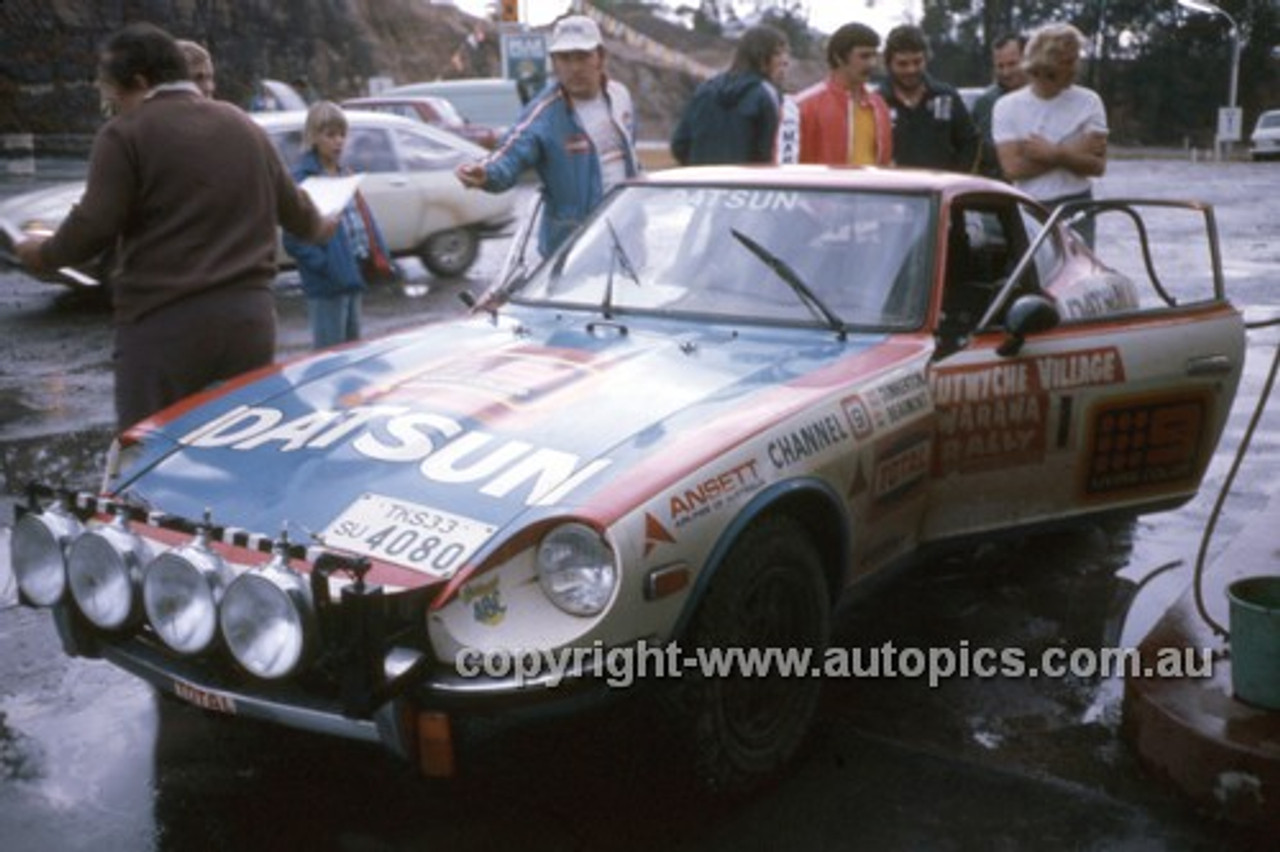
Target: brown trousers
[(185, 346)]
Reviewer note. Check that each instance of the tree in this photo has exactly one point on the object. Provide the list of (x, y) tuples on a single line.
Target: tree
[(1161, 72)]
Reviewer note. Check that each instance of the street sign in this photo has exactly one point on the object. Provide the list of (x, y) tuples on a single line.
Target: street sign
[(524, 59), (1230, 120)]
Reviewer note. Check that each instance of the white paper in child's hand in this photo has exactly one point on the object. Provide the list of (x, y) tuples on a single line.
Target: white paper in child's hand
[(331, 194)]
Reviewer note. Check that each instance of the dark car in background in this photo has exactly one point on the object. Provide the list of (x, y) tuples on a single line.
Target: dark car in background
[(493, 102), (437, 112)]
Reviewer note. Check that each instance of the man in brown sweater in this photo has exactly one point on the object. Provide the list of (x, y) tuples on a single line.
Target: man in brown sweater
[(189, 192)]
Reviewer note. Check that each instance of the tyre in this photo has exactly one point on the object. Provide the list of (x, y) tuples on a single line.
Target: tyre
[(450, 253), (769, 593)]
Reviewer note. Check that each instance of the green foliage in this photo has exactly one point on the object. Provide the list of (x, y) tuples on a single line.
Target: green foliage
[(1163, 72)]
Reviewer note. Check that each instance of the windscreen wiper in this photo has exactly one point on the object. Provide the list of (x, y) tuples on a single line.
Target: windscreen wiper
[(792, 278), (617, 257)]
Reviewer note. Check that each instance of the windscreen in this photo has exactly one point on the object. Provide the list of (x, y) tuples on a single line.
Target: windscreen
[(764, 254)]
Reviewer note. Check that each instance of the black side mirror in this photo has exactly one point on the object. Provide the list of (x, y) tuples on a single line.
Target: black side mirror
[(1030, 314)]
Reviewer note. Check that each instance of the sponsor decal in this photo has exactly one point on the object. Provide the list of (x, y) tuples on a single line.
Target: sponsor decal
[(1146, 443), (1100, 296), (740, 199), (807, 441), (859, 485), (993, 416), (485, 600), (901, 468), (859, 417), (503, 381), (896, 400), (444, 450), (714, 492), (903, 397), (204, 699), (655, 534)]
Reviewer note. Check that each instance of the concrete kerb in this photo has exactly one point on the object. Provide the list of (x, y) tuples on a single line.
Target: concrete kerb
[(1219, 751)]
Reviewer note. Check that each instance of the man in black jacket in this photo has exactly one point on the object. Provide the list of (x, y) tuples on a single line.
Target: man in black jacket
[(733, 117), (931, 127)]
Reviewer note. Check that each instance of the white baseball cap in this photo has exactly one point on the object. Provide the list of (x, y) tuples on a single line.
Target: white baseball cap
[(576, 32)]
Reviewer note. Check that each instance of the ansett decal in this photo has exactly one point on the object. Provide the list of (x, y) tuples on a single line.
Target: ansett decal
[(444, 450), (714, 492)]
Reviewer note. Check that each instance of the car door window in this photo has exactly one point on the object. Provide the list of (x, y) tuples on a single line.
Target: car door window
[(369, 150), (288, 144), (985, 240), (422, 153)]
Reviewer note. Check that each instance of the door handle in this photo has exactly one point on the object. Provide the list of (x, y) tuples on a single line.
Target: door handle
[(1209, 365)]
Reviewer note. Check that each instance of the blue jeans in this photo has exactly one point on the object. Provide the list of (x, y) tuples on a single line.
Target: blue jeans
[(334, 319)]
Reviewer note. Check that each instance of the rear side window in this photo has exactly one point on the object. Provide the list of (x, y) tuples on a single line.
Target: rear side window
[(289, 145)]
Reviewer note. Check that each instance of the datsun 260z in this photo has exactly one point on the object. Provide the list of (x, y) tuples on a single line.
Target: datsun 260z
[(731, 394)]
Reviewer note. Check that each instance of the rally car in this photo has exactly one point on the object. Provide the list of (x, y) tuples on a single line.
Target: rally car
[(732, 393)]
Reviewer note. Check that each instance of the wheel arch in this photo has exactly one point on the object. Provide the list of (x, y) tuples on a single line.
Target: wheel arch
[(811, 503)]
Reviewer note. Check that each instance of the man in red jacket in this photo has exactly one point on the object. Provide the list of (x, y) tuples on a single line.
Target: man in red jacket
[(840, 120)]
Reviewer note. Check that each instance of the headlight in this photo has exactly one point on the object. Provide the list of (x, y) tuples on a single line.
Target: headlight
[(37, 551), (104, 568), (265, 619), (576, 569), (181, 590)]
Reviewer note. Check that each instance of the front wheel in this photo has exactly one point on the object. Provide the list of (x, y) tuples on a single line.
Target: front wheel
[(450, 253), (770, 593)]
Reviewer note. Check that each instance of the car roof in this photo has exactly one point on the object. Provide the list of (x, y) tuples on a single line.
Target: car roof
[(297, 119), (833, 177), (394, 99), (443, 87)]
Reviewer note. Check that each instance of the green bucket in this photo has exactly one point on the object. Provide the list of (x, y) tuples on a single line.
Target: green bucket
[(1255, 640)]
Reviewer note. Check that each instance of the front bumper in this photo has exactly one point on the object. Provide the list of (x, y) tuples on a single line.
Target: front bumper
[(411, 691)]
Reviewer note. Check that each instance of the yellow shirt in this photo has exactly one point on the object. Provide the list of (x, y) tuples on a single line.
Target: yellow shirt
[(862, 134)]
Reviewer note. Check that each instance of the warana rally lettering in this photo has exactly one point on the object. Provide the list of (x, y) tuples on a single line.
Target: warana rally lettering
[(444, 450)]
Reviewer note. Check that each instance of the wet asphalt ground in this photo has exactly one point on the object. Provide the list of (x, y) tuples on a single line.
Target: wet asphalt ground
[(91, 759)]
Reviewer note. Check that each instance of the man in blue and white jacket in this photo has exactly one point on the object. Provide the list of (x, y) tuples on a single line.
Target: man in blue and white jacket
[(578, 134)]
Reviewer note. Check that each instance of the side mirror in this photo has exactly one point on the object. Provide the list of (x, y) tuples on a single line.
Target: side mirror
[(1030, 314)]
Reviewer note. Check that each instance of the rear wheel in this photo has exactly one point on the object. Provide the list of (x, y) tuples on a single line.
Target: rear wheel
[(450, 253), (770, 593)]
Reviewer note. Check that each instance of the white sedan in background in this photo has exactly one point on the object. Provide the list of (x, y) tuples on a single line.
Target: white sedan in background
[(408, 181)]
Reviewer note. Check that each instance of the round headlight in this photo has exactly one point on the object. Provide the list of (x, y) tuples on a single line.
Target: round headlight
[(265, 617), (180, 592), (576, 569), (104, 569), (37, 552)]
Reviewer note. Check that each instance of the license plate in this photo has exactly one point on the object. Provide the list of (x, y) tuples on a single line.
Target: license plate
[(422, 538)]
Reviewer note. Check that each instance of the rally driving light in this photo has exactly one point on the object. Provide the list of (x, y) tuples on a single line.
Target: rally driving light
[(104, 569), (181, 590), (265, 618), (576, 569), (37, 552)]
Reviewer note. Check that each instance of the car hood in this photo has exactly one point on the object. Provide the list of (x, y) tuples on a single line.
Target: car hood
[(47, 206), (491, 421)]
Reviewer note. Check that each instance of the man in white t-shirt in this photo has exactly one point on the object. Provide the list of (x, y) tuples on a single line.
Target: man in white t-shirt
[(578, 134), (1051, 135)]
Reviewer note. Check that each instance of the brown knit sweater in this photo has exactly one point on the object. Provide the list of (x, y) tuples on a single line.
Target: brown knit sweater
[(192, 190)]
